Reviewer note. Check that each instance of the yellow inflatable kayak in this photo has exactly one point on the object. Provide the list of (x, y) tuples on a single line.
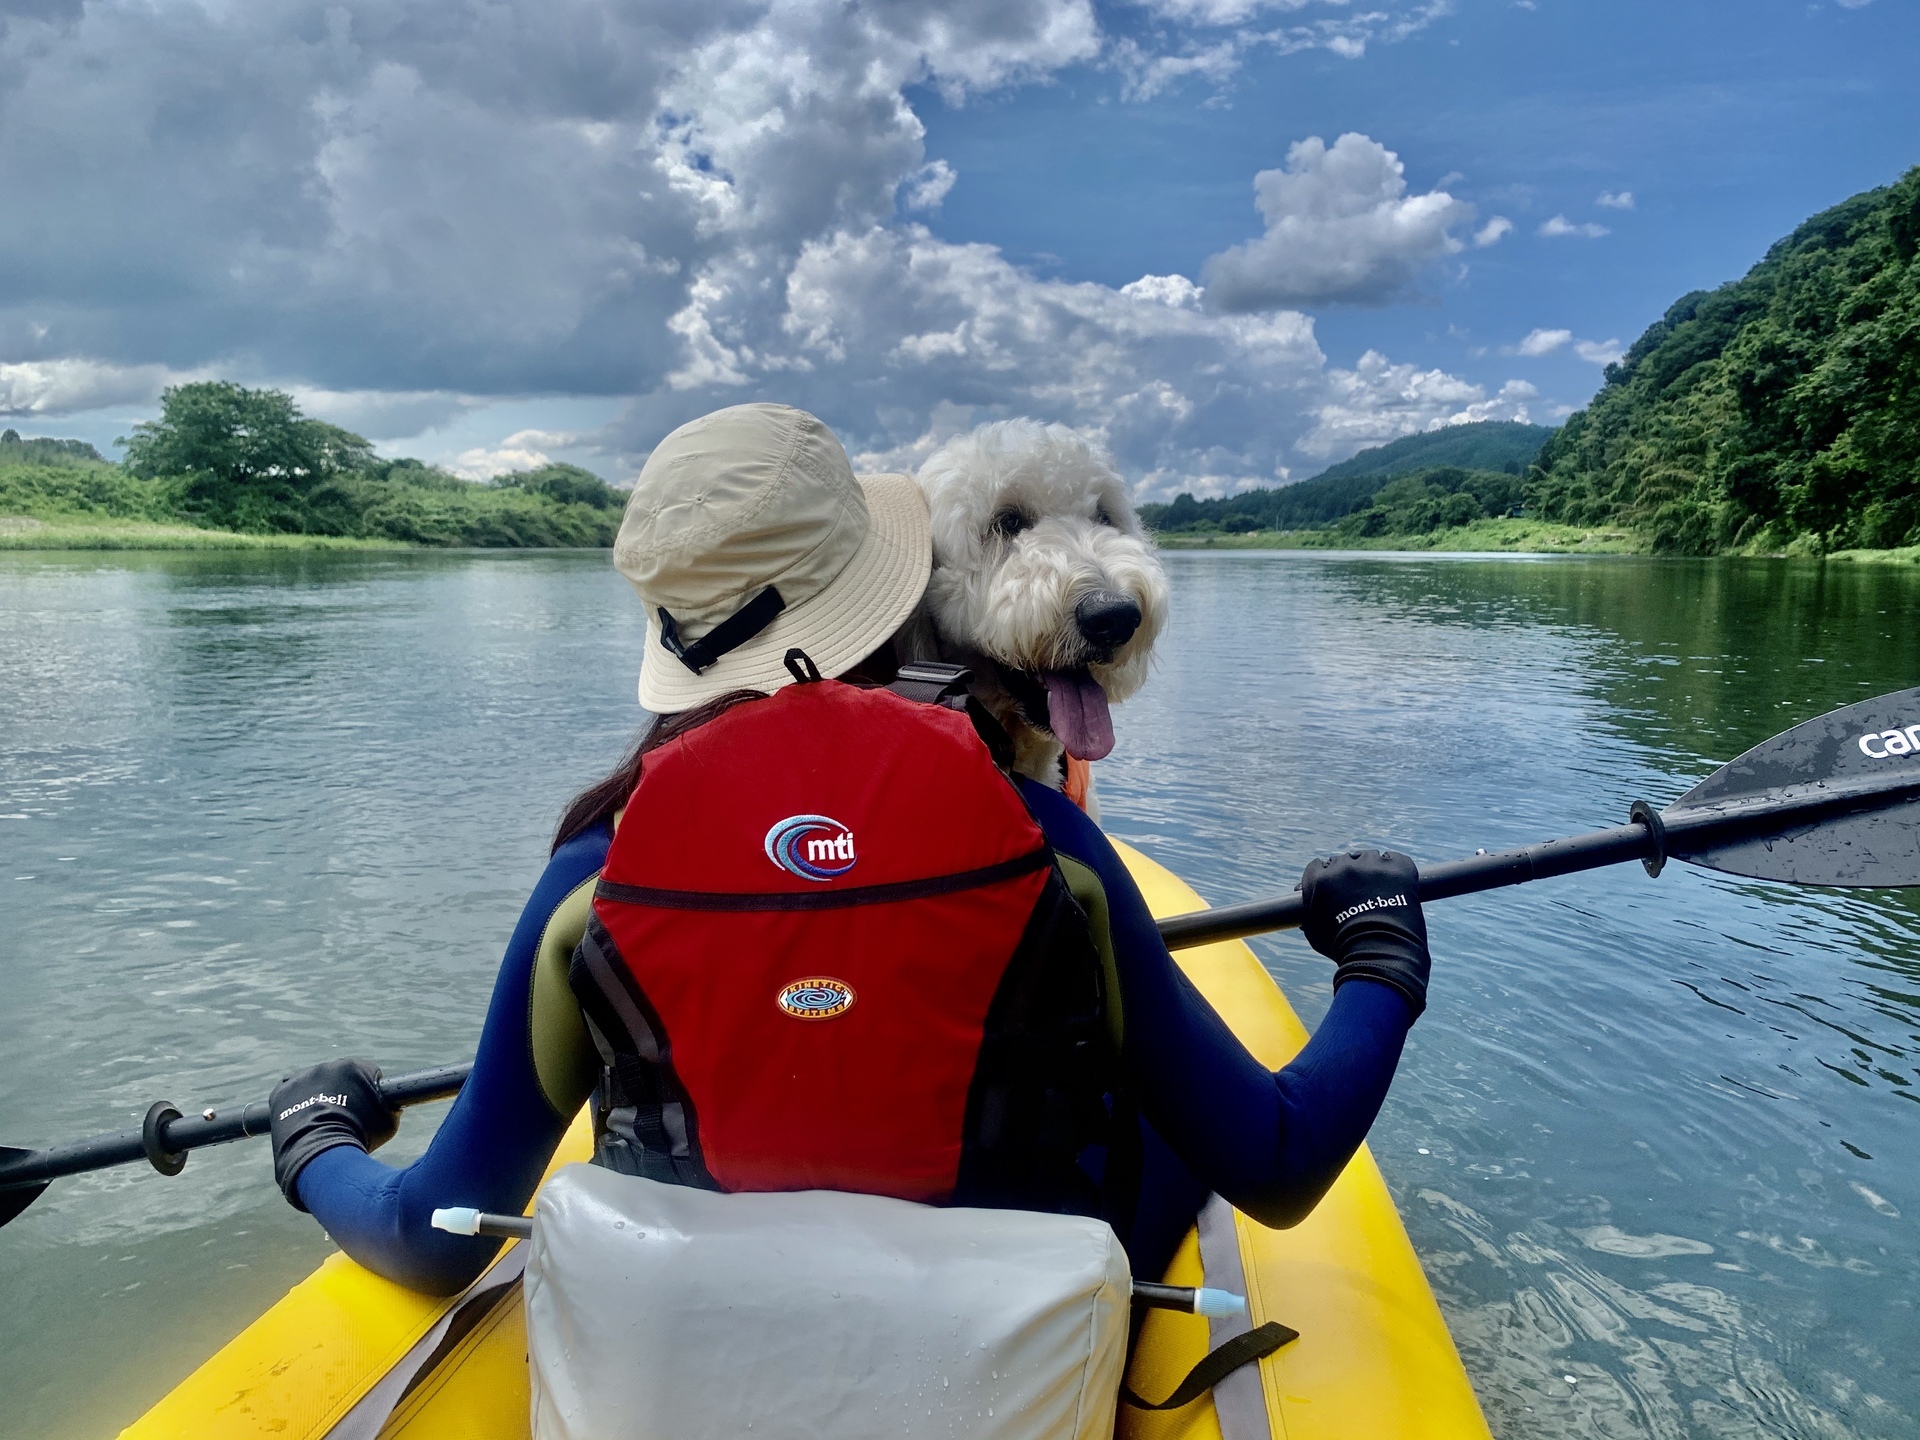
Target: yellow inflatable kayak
[(347, 1355)]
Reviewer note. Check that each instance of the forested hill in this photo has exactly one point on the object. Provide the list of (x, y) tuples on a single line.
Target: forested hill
[(1781, 409), (1491, 448), (1505, 445)]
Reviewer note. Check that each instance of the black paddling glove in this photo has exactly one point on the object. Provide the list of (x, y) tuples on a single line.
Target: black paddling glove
[(322, 1107), (1363, 913)]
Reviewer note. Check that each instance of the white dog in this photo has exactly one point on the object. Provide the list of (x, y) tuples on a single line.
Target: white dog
[(1044, 585)]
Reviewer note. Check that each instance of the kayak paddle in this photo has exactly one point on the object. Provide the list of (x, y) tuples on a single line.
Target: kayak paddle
[(1833, 801), (165, 1137)]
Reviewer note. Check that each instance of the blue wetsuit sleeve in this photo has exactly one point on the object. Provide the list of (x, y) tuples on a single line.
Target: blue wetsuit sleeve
[(492, 1148), (1271, 1143)]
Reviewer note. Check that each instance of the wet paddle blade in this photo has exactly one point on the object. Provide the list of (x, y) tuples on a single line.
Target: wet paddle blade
[(1859, 748), (18, 1197)]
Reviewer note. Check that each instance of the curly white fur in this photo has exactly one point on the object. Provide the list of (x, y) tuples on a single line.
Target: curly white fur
[(1009, 600)]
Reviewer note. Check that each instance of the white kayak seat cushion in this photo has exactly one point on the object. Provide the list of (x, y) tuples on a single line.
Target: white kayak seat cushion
[(662, 1312)]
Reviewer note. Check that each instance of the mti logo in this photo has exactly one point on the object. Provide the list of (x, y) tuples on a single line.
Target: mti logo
[(814, 847)]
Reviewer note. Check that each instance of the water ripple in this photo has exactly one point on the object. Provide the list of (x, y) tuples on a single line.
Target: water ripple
[(1655, 1136)]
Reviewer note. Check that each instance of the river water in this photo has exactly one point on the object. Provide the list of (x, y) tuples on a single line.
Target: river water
[(1655, 1140)]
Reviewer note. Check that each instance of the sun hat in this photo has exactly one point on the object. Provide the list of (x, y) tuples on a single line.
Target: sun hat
[(748, 535)]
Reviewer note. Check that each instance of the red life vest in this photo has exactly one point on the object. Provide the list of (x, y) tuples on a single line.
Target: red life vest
[(831, 949)]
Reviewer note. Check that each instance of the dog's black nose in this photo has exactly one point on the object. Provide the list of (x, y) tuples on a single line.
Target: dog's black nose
[(1107, 619)]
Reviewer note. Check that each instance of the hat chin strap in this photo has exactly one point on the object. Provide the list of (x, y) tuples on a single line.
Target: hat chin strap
[(730, 634)]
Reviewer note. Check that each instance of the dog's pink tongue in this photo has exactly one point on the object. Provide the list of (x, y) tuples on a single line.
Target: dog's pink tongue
[(1077, 714)]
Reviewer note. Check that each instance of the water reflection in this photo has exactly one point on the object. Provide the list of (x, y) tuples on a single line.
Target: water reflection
[(1722, 1062), (1654, 1135), (1706, 654)]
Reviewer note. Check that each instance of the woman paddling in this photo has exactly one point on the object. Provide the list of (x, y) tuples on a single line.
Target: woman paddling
[(1053, 1058)]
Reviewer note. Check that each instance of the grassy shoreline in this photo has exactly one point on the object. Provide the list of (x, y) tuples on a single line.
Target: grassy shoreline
[(1905, 555), (1537, 537), (19, 532), (1507, 536), (1492, 536)]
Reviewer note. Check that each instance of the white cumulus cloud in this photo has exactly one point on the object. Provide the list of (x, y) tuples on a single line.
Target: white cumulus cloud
[(511, 198), (1174, 290), (1190, 43), (1377, 401), (519, 451), (1340, 228), (1493, 232), (1615, 200), (1147, 73), (404, 214), (1540, 341), (63, 387), (1560, 227), (928, 186), (1218, 12), (899, 339), (386, 414)]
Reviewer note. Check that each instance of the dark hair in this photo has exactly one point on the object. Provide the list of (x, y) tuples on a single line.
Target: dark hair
[(597, 803)]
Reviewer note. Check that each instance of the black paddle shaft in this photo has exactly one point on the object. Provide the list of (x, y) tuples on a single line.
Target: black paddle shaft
[(167, 1135), (1829, 802)]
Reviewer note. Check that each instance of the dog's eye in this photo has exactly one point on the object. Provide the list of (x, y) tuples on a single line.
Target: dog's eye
[(1010, 523), (1100, 517)]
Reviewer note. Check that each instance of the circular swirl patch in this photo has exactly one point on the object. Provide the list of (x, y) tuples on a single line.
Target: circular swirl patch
[(818, 997)]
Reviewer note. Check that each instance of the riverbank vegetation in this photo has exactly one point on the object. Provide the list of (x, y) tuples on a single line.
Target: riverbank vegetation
[(1780, 411), (19, 532), (226, 466), (1486, 535)]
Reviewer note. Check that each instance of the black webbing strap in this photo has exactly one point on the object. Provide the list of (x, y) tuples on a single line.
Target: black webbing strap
[(887, 894), (1256, 1344), (370, 1413), (928, 682), (730, 634)]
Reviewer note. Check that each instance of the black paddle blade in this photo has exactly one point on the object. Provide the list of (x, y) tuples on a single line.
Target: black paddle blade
[(1868, 749), (16, 1198)]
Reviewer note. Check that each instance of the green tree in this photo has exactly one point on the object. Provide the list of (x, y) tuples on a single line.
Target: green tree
[(565, 485), (248, 459)]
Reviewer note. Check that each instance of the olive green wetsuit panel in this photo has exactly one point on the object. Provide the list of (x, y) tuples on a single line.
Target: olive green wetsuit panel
[(564, 1060), (1091, 896)]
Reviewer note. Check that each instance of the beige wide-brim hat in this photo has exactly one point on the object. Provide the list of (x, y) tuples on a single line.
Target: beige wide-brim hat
[(758, 496)]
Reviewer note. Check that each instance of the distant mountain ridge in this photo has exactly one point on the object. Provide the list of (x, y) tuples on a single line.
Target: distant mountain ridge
[(1779, 411), (1508, 446), (1488, 448)]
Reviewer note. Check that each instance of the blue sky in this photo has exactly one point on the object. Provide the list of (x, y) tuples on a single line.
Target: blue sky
[(488, 236), (1727, 124)]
